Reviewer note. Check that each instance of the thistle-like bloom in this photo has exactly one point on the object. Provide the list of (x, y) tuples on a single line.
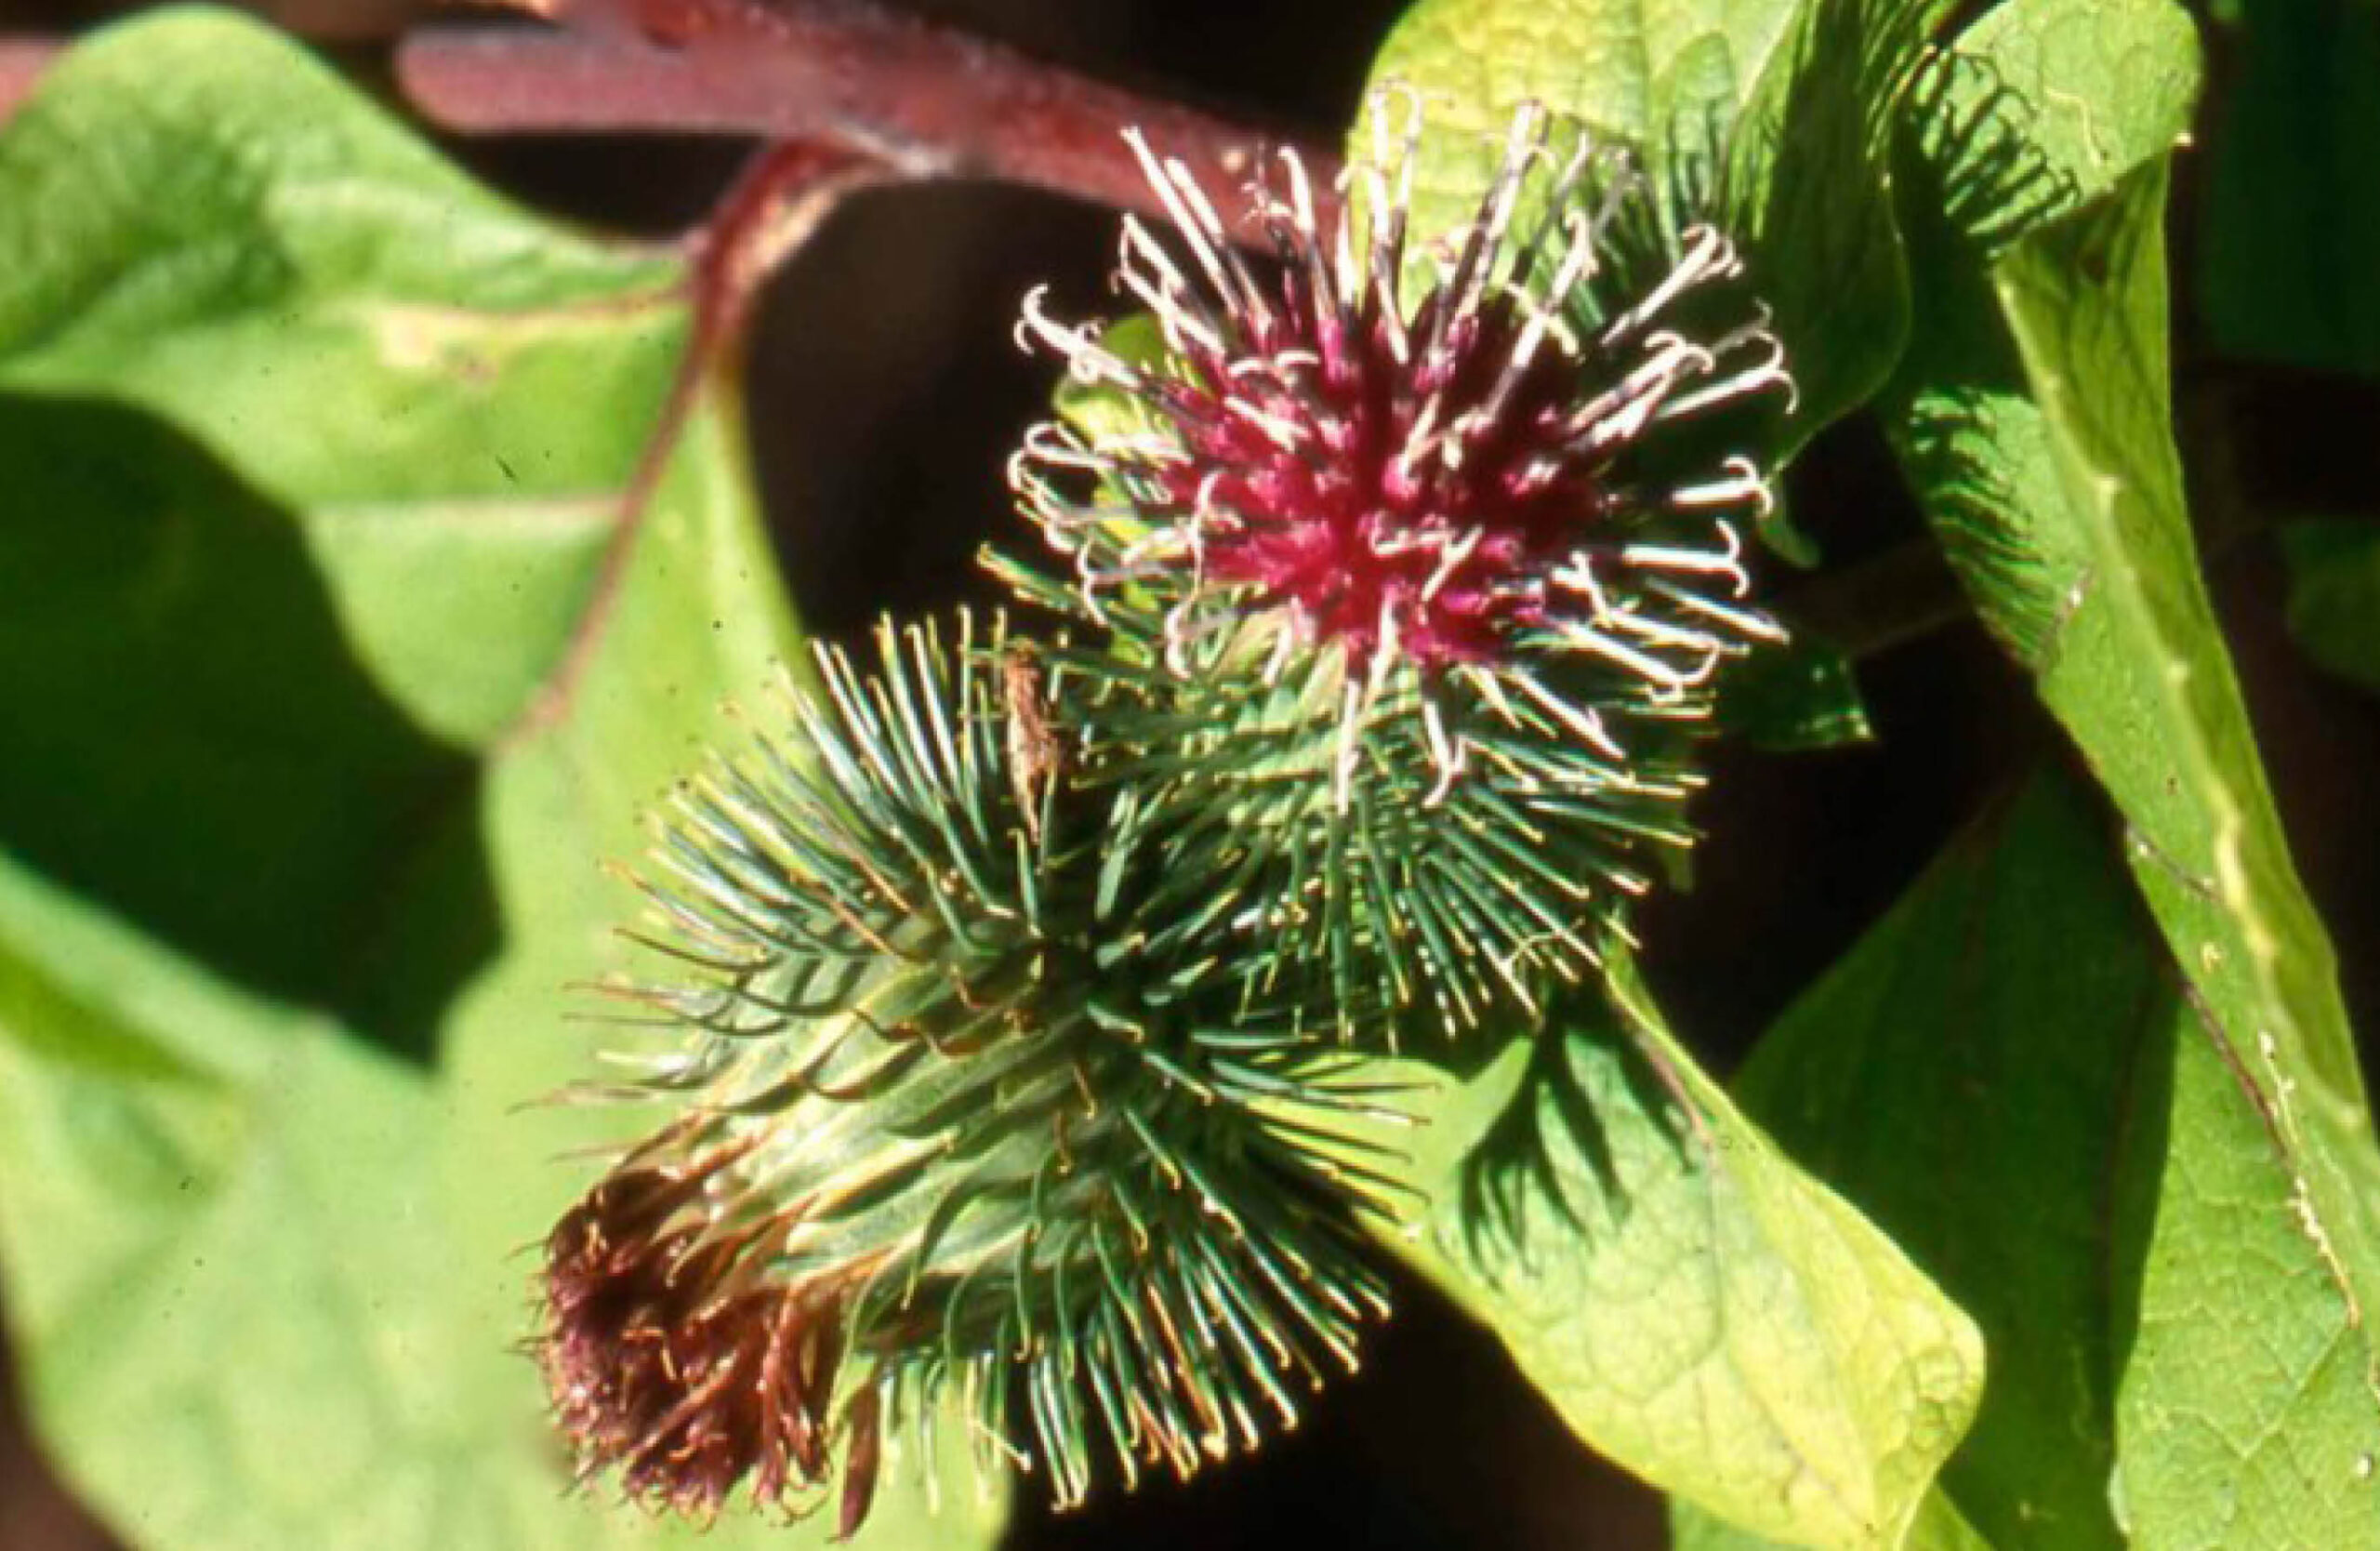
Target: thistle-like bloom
[(1448, 471), (959, 1118), (1470, 503)]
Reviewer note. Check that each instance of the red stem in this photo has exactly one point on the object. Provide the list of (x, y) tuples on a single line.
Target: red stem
[(769, 211), (922, 100), (21, 63), (925, 100)]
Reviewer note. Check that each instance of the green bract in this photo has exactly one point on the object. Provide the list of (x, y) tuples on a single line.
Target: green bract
[(971, 1113)]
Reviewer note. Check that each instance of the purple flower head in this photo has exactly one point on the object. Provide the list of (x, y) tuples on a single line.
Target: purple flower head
[(1443, 452)]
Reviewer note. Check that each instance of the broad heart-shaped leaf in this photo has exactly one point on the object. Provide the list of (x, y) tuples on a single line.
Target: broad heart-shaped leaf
[(2134, 665), (2006, 1073), (2334, 593), (309, 453), (1694, 1305), (1795, 98), (1966, 1076)]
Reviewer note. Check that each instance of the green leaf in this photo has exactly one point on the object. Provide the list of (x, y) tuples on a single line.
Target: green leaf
[(1936, 1527), (2290, 227), (2035, 418), (2007, 132), (2334, 594), (321, 721), (2005, 1074), (2248, 1412), (1693, 1304), (1965, 1074), (1794, 97), (2071, 462), (2044, 105)]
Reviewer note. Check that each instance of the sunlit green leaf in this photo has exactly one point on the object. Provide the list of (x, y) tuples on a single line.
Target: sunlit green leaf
[(1691, 1303), (322, 722), (2034, 415), (1965, 1074), (2044, 105), (1937, 1527), (1784, 106), (2006, 1074)]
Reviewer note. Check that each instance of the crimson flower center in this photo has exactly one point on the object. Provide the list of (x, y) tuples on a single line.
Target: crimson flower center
[(1378, 491)]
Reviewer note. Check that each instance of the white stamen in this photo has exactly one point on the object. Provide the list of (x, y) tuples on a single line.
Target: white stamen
[(1286, 434), (1349, 290), (1388, 212), (1543, 315), (1708, 255), (1343, 773), (1648, 379), (1667, 682), (1492, 695), (1470, 278), (1742, 483), (1281, 366), (1727, 562), (1167, 295), (1758, 626), (1557, 209), (1447, 755), (1627, 408), (1086, 360), (1576, 574), (1285, 643), (1383, 650), (1769, 373), (1251, 294), (1664, 635), (1388, 542), (1451, 561), (1582, 720), (1053, 442), (1309, 243), (1745, 485), (1202, 235)]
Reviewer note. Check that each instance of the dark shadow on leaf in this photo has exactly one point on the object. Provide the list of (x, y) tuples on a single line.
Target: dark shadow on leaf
[(1813, 200), (1947, 444), (1551, 1115), (2137, 1159), (192, 741), (1951, 432), (1995, 184)]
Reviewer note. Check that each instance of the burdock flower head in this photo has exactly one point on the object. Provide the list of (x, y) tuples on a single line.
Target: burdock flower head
[(962, 1126), (1467, 505)]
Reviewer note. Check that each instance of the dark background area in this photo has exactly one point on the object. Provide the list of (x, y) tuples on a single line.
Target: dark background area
[(886, 393)]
